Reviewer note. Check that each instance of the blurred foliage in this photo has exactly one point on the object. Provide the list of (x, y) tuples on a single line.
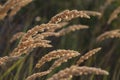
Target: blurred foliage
[(108, 58)]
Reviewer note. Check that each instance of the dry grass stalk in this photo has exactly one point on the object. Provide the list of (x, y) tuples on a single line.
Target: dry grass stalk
[(87, 55), (35, 75), (70, 29), (62, 60), (77, 71), (14, 6), (16, 36), (114, 15), (54, 55), (109, 34)]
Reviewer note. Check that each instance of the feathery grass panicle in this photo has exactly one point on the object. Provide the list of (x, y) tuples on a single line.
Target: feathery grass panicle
[(44, 35), (62, 24), (70, 29), (109, 34), (7, 6), (77, 71), (27, 40), (14, 6), (5, 59), (54, 55), (68, 15), (39, 28), (114, 15), (93, 13), (87, 55), (27, 46), (56, 64), (35, 75), (60, 32), (18, 6), (50, 31), (16, 36), (62, 60)]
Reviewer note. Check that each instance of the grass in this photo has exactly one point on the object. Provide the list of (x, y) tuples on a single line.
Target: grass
[(81, 41)]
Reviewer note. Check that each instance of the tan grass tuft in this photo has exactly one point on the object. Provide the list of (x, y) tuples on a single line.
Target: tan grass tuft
[(109, 34), (54, 55), (114, 15), (77, 71)]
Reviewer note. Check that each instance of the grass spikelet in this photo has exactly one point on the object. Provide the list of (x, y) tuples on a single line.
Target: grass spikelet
[(35, 75), (44, 35), (93, 13), (14, 6), (109, 34), (87, 55), (18, 6), (27, 40), (54, 55), (62, 60), (114, 15), (27, 46), (77, 71), (7, 59), (16, 36), (39, 28), (70, 29), (68, 15), (62, 24)]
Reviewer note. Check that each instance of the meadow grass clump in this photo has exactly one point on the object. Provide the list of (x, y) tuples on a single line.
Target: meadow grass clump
[(37, 37), (40, 52)]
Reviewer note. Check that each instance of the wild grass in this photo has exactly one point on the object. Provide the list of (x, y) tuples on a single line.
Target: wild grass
[(51, 51)]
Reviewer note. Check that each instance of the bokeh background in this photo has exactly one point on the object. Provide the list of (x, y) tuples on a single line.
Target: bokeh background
[(40, 11)]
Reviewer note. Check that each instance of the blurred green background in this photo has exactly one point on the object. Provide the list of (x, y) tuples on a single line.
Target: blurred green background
[(84, 40)]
